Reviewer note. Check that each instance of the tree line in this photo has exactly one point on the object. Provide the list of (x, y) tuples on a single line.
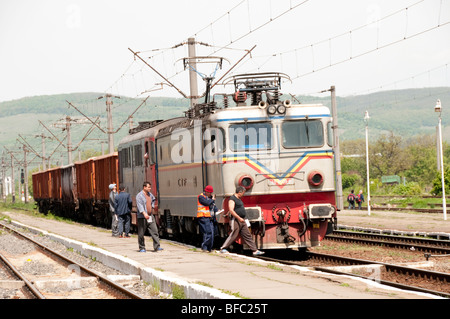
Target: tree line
[(414, 159)]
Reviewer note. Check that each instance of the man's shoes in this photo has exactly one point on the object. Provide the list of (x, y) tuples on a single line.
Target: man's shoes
[(224, 251), (142, 251), (258, 253), (120, 236), (159, 249), (127, 236)]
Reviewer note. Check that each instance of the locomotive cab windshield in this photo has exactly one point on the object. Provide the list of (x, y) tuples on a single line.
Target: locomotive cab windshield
[(250, 136), (302, 133)]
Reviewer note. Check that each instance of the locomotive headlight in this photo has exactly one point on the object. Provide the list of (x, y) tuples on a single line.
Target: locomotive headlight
[(281, 109), (315, 178), (245, 181), (271, 109)]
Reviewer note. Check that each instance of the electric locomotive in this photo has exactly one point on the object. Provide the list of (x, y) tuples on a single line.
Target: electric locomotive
[(279, 151)]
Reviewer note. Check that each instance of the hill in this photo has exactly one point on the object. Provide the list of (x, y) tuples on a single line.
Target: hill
[(23, 116), (407, 113)]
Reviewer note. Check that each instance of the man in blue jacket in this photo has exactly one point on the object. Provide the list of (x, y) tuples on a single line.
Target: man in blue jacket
[(123, 210)]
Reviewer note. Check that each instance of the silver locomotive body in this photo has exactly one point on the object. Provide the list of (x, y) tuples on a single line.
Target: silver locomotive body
[(285, 162), (281, 153)]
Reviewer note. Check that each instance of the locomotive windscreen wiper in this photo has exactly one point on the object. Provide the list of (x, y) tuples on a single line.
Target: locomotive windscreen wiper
[(307, 129)]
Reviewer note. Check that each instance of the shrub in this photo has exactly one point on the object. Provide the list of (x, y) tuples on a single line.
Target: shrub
[(349, 180), (411, 188)]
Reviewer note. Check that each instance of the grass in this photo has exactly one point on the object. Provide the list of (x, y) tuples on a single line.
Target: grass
[(18, 205), (30, 209), (417, 202), (178, 292)]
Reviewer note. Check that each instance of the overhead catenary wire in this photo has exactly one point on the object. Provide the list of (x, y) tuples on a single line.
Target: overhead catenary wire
[(410, 78), (348, 33), (404, 12), (372, 50), (261, 25)]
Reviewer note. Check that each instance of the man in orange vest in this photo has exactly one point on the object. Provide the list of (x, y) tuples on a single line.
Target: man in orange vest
[(206, 205)]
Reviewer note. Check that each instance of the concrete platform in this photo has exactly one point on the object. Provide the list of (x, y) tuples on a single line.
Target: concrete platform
[(208, 275)]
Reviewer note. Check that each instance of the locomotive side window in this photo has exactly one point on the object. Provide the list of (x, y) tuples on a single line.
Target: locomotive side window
[(217, 140), (124, 161), (152, 153), (138, 159), (146, 155), (250, 136), (330, 133), (124, 157), (307, 133)]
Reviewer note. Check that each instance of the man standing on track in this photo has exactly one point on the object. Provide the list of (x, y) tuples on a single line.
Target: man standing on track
[(145, 202), (238, 224)]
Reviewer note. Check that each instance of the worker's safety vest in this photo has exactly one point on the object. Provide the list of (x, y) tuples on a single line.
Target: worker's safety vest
[(202, 210)]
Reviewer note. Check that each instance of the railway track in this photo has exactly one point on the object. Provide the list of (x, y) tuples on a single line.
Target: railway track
[(55, 276), (24, 287), (427, 245), (404, 277), (408, 209)]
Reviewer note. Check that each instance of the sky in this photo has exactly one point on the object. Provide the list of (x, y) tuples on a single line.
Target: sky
[(59, 46)]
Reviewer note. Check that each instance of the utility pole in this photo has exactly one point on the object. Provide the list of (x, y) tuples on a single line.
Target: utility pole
[(366, 120), (25, 168), (131, 122), (109, 102), (3, 179), (13, 184), (192, 76), (43, 137), (336, 149), (69, 141), (109, 131), (66, 126), (438, 108), (43, 152)]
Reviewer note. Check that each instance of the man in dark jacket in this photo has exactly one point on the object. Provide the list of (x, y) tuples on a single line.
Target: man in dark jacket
[(206, 210), (123, 210), (351, 200)]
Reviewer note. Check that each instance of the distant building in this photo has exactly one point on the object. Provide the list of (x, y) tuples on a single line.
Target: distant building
[(391, 180)]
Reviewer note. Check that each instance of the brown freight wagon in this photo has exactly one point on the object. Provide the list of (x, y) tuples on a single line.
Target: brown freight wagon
[(69, 193), (41, 190), (54, 182), (85, 188), (79, 190), (105, 173)]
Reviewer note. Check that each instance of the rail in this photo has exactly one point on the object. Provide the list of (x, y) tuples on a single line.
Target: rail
[(100, 277), (410, 271)]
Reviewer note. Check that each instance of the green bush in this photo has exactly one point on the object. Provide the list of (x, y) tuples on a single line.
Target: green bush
[(349, 180), (437, 184), (410, 188)]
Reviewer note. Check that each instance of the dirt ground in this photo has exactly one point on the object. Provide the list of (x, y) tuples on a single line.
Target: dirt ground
[(411, 222)]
